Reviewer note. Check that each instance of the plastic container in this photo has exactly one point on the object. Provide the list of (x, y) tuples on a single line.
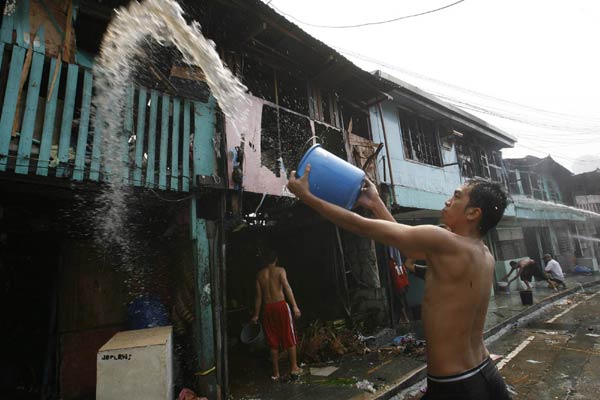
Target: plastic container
[(331, 178), (526, 297), (503, 287), (253, 335), (146, 312)]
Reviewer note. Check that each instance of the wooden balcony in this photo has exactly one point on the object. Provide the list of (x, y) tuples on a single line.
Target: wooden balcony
[(47, 127)]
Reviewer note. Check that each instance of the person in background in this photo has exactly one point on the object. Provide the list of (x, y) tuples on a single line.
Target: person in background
[(554, 271), (399, 278), (530, 269), (514, 266), (272, 287)]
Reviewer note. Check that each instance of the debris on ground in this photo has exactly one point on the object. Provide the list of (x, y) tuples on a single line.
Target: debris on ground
[(534, 361), (406, 344), (323, 342), (329, 341), (592, 334), (366, 385)]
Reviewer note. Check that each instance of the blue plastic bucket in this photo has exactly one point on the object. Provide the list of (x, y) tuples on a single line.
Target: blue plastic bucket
[(331, 178), (146, 312), (253, 335)]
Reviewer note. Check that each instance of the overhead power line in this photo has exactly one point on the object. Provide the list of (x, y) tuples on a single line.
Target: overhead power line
[(366, 23)]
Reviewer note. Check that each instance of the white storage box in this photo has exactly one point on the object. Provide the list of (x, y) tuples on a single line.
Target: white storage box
[(136, 365)]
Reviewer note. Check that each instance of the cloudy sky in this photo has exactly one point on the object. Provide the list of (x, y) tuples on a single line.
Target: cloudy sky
[(530, 67)]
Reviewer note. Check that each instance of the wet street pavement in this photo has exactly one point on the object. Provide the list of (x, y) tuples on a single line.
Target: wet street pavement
[(560, 351), (564, 354), (554, 355)]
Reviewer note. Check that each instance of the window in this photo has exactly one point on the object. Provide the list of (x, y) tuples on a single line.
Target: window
[(473, 161), (553, 193), (420, 140), (513, 184), (324, 106), (477, 160)]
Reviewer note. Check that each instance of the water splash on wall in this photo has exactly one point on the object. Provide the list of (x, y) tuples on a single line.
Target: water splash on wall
[(162, 22)]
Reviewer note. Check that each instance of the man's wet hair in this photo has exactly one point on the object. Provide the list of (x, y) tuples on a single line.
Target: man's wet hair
[(491, 198)]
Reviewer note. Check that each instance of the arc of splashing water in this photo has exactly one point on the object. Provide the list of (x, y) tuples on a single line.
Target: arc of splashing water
[(163, 21)]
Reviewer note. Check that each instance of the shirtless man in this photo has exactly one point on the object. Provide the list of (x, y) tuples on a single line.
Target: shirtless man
[(524, 270), (459, 279), (271, 283)]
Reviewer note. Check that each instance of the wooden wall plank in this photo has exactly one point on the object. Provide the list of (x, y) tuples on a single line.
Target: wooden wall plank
[(66, 125), (151, 139), (204, 156), (49, 116), (31, 107), (96, 150), (21, 23), (164, 143), (139, 137), (185, 162), (10, 103), (84, 122), (8, 23), (175, 145)]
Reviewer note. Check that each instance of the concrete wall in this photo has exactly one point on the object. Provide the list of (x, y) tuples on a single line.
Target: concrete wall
[(417, 185)]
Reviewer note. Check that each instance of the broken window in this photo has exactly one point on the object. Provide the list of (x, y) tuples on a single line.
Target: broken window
[(292, 92), (513, 182), (259, 78), (532, 187), (536, 186), (324, 106), (525, 183), (477, 161), (495, 167), (283, 136), (420, 139), (356, 120), (331, 139), (553, 191), (473, 160)]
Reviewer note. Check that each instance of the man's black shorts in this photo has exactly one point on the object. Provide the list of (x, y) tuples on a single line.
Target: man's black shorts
[(480, 383)]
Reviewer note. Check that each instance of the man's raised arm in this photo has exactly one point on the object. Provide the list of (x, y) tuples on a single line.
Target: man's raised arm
[(414, 241)]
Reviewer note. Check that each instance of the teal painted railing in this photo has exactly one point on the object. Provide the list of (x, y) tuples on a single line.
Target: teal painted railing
[(47, 127)]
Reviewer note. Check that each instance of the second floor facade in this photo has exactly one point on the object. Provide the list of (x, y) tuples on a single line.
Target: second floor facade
[(432, 147)]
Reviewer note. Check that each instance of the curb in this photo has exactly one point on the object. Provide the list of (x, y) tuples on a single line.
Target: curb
[(421, 373)]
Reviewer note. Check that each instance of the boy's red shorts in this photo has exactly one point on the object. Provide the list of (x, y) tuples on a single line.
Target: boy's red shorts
[(279, 325)]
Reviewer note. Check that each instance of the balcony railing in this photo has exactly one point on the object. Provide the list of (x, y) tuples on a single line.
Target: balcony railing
[(47, 129)]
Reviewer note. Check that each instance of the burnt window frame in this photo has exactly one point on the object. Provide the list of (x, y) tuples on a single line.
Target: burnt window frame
[(425, 133)]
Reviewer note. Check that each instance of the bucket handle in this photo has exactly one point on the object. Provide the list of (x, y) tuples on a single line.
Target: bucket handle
[(308, 141)]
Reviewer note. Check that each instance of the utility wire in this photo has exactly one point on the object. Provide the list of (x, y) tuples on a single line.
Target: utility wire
[(366, 23), (462, 89)]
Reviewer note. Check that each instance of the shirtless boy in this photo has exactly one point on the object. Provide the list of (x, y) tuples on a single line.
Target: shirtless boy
[(459, 279), (271, 283)]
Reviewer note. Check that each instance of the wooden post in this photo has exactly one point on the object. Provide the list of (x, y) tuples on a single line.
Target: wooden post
[(203, 164)]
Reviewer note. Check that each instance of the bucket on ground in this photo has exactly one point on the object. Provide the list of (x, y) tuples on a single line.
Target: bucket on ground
[(526, 297), (331, 178), (253, 335), (503, 287)]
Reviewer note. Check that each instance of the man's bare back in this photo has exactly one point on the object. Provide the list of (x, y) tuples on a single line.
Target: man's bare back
[(270, 282), (272, 286), (456, 344)]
